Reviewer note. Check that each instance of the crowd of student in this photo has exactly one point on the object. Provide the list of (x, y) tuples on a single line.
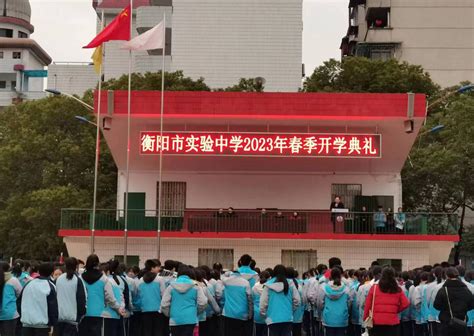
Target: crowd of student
[(108, 299)]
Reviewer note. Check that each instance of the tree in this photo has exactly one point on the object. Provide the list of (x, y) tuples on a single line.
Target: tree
[(438, 176), (441, 178), (48, 160), (174, 81), (47, 164), (246, 85), (360, 74)]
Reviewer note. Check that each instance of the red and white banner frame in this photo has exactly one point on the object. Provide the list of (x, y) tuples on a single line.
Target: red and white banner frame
[(261, 144)]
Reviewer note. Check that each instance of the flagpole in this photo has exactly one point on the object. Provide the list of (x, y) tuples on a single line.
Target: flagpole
[(160, 178), (127, 177), (97, 146)]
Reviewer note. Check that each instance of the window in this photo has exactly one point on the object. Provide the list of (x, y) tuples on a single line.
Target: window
[(162, 2), (22, 34), (210, 256), (301, 260), (353, 16), (13, 85), (385, 201), (1, 54), (174, 199), (6, 32), (378, 17), (381, 54), (395, 263), (159, 52), (347, 192), (3, 84), (17, 55), (132, 260)]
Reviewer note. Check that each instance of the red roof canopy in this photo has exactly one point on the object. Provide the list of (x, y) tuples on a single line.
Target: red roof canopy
[(382, 114), (242, 105)]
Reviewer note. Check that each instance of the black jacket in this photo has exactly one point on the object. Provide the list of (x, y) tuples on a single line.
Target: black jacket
[(335, 205), (460, 297)]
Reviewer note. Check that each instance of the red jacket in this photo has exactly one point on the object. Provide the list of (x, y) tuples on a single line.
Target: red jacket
[(387, 306)]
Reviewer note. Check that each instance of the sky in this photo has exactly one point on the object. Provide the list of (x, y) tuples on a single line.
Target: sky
[(62, 27)]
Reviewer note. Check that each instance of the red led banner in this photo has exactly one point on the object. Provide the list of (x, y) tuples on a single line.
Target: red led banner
[(262, 144)]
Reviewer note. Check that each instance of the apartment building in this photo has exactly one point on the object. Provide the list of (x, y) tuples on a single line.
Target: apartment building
[(22, 60), (220, 40), (436, 34)]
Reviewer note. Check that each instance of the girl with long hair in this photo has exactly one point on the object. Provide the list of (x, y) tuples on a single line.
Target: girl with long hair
[(261, 328), (19, 272), (205, 325), (10, 290), (297, 327), (71, 295), (388, 303), (279, 300), (114, 323), (183, 301), (101, 299), (334, 301), (431, 291)]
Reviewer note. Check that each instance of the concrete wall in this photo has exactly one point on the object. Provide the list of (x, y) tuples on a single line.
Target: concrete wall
[(6, 97), (256, 190), (436, 34), (33, 63), (72, 78), (267, 253), (222, 41)]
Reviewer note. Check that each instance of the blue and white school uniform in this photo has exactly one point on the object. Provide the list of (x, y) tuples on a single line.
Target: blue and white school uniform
[(183, 301)]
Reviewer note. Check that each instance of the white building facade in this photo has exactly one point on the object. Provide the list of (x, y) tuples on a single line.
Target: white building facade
[(22, 60), (219, 40), (436, 34)]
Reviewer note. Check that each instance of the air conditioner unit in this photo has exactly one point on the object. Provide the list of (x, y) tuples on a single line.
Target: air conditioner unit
[(408, 125), (106, 123)]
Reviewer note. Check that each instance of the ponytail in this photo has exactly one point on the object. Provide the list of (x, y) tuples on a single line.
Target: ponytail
[(113, 266), (71, 265), (264, 276), (18, 268), (438, 273), (292, 274), (296, 283), (280, 276), (336, 276)]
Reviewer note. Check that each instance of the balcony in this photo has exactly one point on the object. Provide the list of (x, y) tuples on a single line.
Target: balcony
[(10, 97), (380, 51), (6, 97), (194, 222), (32, 95), (148, 17)]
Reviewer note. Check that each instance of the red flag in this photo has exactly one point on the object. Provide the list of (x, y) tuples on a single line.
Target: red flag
[(118, 29)]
